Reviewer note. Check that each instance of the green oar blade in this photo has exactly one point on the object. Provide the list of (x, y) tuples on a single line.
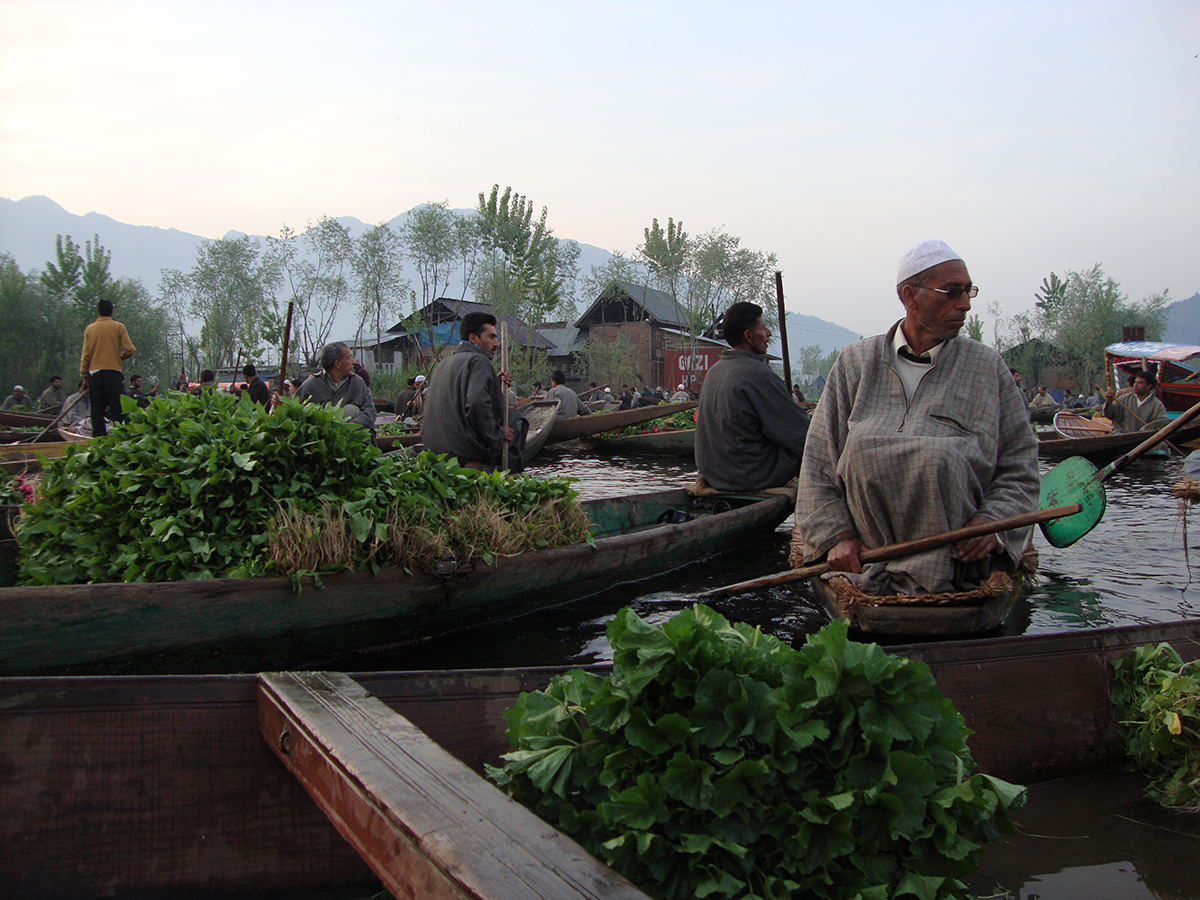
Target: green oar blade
[(1072, 481)]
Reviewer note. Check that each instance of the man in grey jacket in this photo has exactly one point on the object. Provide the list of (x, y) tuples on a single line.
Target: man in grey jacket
[(337, 385), (465, 409), (918, 431), (749, 431)]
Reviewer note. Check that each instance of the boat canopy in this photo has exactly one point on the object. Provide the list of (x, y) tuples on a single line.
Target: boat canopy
[(1154, 350)]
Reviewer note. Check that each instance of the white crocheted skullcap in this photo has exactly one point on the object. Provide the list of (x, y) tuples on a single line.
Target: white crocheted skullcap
[(419, 379), (922, 256)]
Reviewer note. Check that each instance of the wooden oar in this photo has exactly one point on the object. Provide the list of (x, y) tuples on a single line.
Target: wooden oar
[(905, 548), (504, 387), (1076, 480), (62, 412)]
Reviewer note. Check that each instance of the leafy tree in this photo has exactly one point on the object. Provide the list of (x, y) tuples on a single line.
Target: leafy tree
[(527, 272), (378, 262), (151, 326), (975, 328), (37, 340), (666, 254), (435, 238), (608, 362), (232, 290), (63, 280), (313, 269), (1087, 314), (617, 267)]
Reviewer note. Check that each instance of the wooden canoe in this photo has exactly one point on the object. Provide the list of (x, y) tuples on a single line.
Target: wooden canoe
[(677, 442), (24, 420), (1106, 448), (1073, 425), (1043, 414), (966, 613), (584, 426), (77, 629), (165, 786)]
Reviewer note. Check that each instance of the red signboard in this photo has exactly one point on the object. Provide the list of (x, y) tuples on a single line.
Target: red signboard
[(684, 367)]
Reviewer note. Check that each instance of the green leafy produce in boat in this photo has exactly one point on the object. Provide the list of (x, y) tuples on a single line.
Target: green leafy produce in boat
[(212, 486), (684, 419), (1156, 696), (719, 762)]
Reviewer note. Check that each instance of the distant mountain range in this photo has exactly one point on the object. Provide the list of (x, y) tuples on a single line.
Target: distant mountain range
[(1183, 321), (28, 228)]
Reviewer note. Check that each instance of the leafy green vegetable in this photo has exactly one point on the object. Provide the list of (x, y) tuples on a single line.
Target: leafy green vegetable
[(1156, 695), (719, 762), (212, 486), (684, 419)]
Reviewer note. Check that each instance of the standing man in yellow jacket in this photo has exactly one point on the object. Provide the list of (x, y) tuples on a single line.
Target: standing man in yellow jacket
[(106, 345)]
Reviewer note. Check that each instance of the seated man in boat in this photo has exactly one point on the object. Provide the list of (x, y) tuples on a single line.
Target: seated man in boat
[(569, 404), (919, 431), (1136, 411), (465, 408), (337, 385), (52, 397), (750, 431), (1042, 398)]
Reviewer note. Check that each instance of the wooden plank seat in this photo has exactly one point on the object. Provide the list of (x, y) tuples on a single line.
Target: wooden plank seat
[(427, 825)]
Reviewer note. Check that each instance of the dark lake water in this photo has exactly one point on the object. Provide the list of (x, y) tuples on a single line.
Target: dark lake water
[(1091, 837)]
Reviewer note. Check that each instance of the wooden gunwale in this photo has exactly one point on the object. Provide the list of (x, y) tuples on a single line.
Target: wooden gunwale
[(163, 783), (583, 426), (51, 628)]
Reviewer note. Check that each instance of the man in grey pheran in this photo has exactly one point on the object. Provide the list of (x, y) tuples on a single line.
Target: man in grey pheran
[(749, 431), (465, 408), (918, 431), (337, 385), (1137, 411)]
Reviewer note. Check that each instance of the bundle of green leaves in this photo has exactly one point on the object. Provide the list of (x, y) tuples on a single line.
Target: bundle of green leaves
[(683, 419), (194, 486), (1156, 696), (718, 762)]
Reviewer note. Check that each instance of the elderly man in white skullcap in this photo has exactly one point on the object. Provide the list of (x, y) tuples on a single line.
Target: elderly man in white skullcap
[(918, 431)]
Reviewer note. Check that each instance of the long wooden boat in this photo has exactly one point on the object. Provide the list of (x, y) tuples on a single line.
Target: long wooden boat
[(677, 442), (1106, 448), (1044, 414), (584, 426), (11, 419), (964, 613), (541, 415), (49, 449), (167, 786), (266, 623)]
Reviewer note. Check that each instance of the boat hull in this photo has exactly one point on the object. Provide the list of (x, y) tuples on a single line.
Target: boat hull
[(575, 427), (261, 623), (918, 619), (163, 785), (1108, 447), (677, 442)]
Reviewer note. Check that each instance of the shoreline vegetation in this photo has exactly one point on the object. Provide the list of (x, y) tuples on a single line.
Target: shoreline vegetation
[(213, 487)]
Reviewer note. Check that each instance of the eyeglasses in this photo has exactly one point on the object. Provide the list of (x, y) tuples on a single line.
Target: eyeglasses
[(955, 292)]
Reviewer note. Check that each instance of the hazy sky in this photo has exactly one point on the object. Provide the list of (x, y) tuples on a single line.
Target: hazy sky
[(1031, 136)]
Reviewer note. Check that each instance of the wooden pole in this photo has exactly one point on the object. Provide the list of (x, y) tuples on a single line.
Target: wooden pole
[(287, 333), (905, 548), (237, 367), (783, 338), (504, 387)]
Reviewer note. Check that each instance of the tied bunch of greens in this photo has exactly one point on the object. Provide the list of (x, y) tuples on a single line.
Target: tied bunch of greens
[(1156, 696), (718, 762), (16, 492), (212, 486)]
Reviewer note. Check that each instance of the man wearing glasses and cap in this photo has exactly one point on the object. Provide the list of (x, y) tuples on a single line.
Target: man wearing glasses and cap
[(918, 431)]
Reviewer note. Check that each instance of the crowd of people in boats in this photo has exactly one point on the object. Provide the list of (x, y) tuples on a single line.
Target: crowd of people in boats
[(919, 430)]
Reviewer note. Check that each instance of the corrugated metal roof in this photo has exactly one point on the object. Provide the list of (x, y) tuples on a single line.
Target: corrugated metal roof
[(445, 309), (661, 307)]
